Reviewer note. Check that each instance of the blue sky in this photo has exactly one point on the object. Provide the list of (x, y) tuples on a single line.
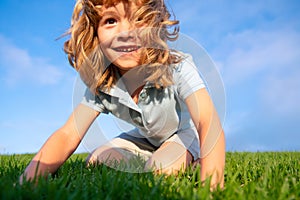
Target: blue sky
[(255, 45)]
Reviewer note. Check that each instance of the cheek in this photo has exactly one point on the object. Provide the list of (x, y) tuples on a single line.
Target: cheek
[(104, 36), (104, 42)]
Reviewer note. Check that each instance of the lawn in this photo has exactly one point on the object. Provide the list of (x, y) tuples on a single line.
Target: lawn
[(265, 175)]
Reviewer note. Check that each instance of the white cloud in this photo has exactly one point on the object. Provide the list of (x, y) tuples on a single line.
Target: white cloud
[(280, 94), (219, 16), (244, 38), (270, 61), (245, 55), (235, 121), (18, 66), (255, 44)]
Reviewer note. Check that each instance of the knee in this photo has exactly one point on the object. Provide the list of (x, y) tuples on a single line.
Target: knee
[(150, 165), (92, 159), (162, 165), (103, 155), (158, 167)]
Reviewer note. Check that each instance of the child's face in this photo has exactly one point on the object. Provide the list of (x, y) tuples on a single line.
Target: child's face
[(117, 37)]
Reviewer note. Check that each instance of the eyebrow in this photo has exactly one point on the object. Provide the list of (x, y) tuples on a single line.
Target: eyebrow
[(108, 12), (111, 11)]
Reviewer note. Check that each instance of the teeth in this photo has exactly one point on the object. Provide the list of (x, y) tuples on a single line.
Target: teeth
[(129, 49)]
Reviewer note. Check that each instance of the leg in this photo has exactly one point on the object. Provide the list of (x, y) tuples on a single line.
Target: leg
[(120, 151), (169, 159), (105, 154)]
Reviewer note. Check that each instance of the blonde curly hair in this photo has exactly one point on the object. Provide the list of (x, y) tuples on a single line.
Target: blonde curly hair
[(85, 55)]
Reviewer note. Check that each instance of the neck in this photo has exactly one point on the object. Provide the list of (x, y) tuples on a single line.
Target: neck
[(134, 79)]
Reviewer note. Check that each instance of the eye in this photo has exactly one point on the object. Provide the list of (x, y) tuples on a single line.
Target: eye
[(110, 21), (139, 19)]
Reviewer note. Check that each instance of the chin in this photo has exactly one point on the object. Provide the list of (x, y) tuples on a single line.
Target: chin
[(127, 65)]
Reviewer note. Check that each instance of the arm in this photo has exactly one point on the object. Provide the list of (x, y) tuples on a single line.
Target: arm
[(61, 144), (211, 135)]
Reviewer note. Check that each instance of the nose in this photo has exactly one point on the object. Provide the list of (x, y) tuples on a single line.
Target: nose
[(126, 31)]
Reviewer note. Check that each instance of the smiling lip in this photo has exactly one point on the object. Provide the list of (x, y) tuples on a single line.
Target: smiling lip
[(126, 49)]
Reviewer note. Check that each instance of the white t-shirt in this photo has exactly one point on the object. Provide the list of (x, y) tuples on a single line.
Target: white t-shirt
[(159, 113)]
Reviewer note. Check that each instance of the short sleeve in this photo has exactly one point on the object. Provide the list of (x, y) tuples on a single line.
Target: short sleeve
[(187, 78), (93, 102)]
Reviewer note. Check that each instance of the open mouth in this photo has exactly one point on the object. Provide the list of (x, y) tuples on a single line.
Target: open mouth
[(127, 49)]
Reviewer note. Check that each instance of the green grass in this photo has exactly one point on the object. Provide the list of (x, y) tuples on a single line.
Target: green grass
[(247, 176)]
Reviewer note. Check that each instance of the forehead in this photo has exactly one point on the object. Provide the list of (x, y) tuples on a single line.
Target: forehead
[(120, 7), (110, 3)]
